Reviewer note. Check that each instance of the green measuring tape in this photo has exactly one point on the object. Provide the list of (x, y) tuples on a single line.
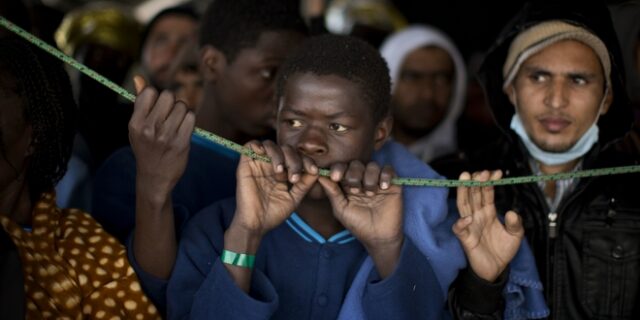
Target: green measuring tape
[(324, 172)]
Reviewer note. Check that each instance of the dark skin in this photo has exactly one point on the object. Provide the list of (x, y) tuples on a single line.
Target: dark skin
[(161, 127), (14, 159), (160, 133), (238, 95), (320, 124)]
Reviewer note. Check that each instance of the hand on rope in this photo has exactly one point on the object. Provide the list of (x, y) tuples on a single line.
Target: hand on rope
[(323, 172)]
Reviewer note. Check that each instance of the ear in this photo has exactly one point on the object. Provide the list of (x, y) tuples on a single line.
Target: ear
[(510, 91), (608, 100), (383, 130), (212, 63)]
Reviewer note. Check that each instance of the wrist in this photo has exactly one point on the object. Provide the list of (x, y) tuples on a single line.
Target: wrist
[(384, 247), (153, 190), (386, 255), (238, 259), (241, 240)]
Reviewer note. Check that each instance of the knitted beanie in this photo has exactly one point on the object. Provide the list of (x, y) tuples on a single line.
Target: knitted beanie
[(542, 35)]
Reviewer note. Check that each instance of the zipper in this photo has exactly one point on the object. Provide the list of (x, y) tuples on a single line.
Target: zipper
[(552, 245), (553, 225)]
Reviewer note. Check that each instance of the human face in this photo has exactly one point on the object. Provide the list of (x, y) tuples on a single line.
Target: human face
[(245, 90), (326, 119), (163, 43), (558, 93), (15, 137), (422, 94)]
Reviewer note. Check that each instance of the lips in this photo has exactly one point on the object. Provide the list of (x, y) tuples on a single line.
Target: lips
[(554, 124)]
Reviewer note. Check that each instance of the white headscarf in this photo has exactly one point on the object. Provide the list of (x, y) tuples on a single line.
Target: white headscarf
[(442, 139)]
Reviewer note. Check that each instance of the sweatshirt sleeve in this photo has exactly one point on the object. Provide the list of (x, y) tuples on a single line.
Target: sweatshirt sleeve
[(200, 286), (154, 287), (410, 292), (471, 297)]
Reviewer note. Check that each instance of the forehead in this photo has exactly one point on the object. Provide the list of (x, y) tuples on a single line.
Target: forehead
[(428, 58), (566, 56), (325, 94), (178, 23), (270, 46)]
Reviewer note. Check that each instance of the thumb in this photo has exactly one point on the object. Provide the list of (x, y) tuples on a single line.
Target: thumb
[(139, 83), (460, 228), (333, 191), (299, 189), (513, 224)]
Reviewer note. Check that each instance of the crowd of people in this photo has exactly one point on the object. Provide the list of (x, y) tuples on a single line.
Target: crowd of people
[(116, 210)]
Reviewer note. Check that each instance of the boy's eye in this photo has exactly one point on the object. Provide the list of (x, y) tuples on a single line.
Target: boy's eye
[(338, 127), (267, 73), (293, 123)]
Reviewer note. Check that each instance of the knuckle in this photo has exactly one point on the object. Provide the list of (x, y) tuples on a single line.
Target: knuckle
[(147, 131), (162, 139)]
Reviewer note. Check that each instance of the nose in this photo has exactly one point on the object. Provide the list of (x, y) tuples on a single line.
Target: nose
[(313, 142), (556, 96), (426, 93)]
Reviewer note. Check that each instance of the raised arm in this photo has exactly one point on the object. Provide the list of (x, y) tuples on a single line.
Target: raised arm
[(159, 130), (267, 194), (489, 244)]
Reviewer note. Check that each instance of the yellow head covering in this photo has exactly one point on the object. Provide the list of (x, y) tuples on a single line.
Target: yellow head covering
[(105, 25), (342, 15)]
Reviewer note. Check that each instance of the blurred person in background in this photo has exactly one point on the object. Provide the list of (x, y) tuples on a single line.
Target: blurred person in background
[(185, 77), (429, 82), (162, 39), (104, 37)]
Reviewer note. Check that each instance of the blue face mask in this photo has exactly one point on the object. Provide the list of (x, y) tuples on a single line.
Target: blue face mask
[(578, 150)]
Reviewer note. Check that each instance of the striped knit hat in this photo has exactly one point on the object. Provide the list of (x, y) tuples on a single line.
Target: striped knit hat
[(542, 35)]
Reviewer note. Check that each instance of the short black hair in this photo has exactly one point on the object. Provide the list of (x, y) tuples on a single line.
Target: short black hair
[(48, 106), (347, 57), (232, 25)]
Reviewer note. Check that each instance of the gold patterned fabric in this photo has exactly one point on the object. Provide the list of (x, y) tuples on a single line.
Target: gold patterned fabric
[(73, 269)]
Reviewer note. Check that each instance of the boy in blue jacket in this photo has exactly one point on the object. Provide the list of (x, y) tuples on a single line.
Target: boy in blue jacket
[(293, 244)]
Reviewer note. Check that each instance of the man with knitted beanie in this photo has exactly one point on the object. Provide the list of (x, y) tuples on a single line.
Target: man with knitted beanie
[(554, 81)]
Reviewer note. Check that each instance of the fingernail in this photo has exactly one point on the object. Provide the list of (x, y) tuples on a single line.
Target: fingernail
[(370, 193), (295, 178), (279, 168), (384, 185), (313, 169), (354, 190), (335, 176)]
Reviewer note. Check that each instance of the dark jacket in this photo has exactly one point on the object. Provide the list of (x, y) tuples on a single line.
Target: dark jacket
[(591, 268)]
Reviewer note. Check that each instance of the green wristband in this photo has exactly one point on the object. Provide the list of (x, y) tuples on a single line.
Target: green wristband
[(238, 259)]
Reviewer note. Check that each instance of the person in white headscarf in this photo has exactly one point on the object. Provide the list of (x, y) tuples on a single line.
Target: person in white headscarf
[(429, 84)]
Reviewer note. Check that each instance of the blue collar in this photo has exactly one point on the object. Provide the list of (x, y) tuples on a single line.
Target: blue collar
[(308, 234)]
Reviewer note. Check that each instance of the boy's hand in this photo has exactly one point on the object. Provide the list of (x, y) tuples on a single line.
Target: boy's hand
[(159, 131), (267, 193), (488, 244), (370, 207)]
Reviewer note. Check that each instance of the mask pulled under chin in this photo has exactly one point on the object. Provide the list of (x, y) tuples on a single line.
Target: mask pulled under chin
[(578, 150)]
